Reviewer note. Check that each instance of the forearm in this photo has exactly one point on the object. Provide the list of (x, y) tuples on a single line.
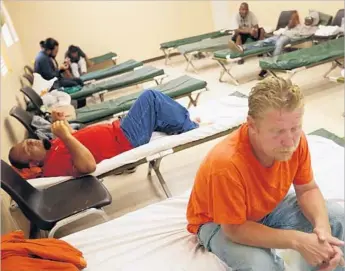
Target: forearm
[(82, 158), (71, 130), (313, 206), (244, 30), (258, 235)]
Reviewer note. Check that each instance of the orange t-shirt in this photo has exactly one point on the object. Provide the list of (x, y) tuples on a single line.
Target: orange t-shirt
[(231, 186)]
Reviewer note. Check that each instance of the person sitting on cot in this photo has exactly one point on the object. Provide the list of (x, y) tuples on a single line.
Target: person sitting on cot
[(78, 61), (240, 208), (75, 153), (294, 31), (246, 26)]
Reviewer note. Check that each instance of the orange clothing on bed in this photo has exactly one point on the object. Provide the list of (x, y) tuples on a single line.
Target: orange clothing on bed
[(231, 186), (53, 254)]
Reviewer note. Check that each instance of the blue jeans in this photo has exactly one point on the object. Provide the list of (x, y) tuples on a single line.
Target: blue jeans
[(278, 41), (287, 215), (155, 111)]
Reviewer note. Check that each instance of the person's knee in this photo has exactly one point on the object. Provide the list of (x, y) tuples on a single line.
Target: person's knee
[(148, 95), (256, 259), (241, 257), (74, 66)]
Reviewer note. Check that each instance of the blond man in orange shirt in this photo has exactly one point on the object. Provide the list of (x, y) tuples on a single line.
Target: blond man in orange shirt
[(240, 207)]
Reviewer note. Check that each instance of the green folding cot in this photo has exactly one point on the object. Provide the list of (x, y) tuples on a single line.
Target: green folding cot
[(102, 61), (183, 86), (140, 75), (293, 62), (126, 66), (169, 46), (103, 58), (189, 51), (226, 58)]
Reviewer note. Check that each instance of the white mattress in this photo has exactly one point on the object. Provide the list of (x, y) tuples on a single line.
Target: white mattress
[(155, 237), (224, 114)]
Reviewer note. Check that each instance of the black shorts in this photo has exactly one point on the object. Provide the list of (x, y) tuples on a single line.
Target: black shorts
[(245, 37)]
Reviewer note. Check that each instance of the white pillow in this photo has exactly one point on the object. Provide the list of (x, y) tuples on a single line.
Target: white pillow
[(41, 84)]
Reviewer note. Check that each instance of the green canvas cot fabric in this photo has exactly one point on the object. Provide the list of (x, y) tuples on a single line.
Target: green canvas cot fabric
[(227, 53), (111, 71), (71, 90), (305, 57), (125, 80), (207, 45), (175, 43), (180, 86), (102, 58)]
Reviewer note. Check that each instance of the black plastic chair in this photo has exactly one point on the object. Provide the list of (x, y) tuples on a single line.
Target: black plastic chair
[(58, 205), (284, 18), (28, 70), (338, 17), (35, 99), (24, 118), (29, 78)]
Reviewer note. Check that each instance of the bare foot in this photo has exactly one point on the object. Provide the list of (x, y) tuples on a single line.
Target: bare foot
[(197, 120)]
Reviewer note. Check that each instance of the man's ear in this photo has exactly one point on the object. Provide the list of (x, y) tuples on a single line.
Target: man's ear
[(252, 124)]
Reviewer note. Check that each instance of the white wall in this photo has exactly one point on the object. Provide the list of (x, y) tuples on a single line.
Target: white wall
[(221, 15)]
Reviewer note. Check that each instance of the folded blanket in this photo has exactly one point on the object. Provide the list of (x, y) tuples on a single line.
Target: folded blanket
[(29, 173), (38, 254), (328, 30)]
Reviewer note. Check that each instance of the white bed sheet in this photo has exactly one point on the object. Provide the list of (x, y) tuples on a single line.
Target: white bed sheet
[(224, 114), (155, 238)]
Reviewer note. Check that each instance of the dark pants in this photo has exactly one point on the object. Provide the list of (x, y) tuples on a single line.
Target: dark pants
[(155, 111), (245, 37), (70, 82)]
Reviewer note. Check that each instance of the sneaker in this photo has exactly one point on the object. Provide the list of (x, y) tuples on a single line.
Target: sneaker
[(262, 74), (240, 62), (234, 47), (130, 170)]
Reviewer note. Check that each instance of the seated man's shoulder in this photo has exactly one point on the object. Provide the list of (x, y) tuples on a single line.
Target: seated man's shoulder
[(227, 152)]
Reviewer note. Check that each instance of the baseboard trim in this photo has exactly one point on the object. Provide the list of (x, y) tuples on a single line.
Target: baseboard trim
[(159, 57)]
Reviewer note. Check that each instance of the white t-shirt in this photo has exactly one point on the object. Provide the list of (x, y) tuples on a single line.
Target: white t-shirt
[(249, 21)]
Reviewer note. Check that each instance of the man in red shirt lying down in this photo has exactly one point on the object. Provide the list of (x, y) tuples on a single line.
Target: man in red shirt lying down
[(75, 153)]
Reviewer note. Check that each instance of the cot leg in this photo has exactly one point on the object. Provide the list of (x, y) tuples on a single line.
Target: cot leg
[(291, 74), (272, 73), (227, 71), (192, 101), (335, 64), (167, 56), (155, 165), (189, 62), (149, 171)]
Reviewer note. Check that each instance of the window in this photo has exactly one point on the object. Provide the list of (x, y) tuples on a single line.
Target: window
[(4, 69), (8, 32)]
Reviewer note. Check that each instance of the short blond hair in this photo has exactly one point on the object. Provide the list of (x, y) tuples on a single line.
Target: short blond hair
[(274, 93)]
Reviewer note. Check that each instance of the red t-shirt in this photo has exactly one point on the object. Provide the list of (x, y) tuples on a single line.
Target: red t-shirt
[(103, 141)]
